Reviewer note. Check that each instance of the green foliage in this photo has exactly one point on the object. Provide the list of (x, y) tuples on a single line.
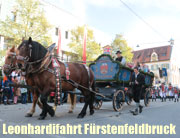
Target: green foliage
[(29, 21), (119, 43), (2, 55), (93, 49)]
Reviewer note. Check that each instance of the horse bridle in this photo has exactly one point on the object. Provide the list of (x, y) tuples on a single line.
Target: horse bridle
[(11, 66), (26, 61)]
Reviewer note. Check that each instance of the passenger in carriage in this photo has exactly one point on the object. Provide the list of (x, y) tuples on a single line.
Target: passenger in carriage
[(120, 58)]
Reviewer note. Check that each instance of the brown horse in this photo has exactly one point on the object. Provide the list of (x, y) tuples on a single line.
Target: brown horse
[(11, 65), (30, 52)]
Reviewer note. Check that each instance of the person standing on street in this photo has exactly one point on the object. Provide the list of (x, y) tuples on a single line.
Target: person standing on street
[(23, 91), (176, 95), (163, 93), (153, 92), (137, 84), (170, 92), (16, 90), (6, 90)]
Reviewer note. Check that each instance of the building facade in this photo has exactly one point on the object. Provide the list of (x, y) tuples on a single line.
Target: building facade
[(60, 20), (158, 58)]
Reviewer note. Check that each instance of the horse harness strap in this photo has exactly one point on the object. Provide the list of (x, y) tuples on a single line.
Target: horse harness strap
[(88, 71), (67, 72), (45, 62), (57, 74)]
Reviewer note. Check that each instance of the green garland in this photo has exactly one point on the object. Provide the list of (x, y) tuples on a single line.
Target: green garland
[(120, 68)]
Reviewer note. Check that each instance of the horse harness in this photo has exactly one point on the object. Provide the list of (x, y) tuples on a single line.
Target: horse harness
[(11, 66), (57, 74), (45, 65)]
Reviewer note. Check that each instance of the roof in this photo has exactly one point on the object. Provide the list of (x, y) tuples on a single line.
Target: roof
[(108, 46), (144, 56)]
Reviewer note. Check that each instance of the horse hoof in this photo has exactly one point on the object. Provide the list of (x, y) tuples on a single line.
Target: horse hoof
[(81, 115), (92, 112), (41, 118), (28, 115), (70, 112), (51, 112)]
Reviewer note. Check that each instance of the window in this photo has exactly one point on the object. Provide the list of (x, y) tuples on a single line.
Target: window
[(0, 8), (165, 66), (156, 67), (14, 14), (148, 56), (56, 31), (152, 67), (162, 65), (66, 34), (164, 54), (14, 17), (154, 56)]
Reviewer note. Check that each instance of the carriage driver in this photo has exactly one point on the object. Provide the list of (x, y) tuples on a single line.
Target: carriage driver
[(120, 58), (137, 84)]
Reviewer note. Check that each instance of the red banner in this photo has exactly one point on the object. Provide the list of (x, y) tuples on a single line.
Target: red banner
[(84, 46), (59, 42)]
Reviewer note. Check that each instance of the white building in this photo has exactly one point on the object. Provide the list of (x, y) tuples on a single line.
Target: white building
[(157, 58)]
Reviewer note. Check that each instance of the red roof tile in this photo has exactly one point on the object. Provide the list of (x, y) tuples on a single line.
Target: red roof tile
[(144, 56)]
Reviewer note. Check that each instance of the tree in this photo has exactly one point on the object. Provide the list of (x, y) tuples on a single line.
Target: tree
[(28, 20), (2, 57), (93, 49), (119, 43)]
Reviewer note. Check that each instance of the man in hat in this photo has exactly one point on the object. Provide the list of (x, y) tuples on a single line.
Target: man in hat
[(137, 83), (120, 58)]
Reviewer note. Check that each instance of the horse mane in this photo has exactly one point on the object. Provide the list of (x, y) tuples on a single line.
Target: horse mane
[(38, 51)]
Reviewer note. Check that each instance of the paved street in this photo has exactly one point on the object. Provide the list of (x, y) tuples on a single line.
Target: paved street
[(157, 113)]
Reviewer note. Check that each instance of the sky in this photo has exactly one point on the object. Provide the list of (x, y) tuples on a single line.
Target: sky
[(112, 17)]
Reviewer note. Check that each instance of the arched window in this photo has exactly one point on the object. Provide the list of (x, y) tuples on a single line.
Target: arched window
[(154, 56)]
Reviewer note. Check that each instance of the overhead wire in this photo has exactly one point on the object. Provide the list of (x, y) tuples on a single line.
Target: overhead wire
[(143, 20)]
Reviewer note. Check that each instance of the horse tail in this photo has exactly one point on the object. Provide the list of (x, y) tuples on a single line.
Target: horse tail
[(92, 81)]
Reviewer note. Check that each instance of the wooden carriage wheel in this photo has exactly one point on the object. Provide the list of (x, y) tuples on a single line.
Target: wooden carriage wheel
[(118, 100), (128, 101), (97, 104)]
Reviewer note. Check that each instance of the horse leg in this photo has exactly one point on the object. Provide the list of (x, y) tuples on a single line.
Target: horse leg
[(72, 102), (35, 100), (91, 101), (83, 111), (91, 107), (44, 109)]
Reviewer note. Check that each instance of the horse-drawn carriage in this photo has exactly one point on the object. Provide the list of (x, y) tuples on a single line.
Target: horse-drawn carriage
[(112, 80)]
